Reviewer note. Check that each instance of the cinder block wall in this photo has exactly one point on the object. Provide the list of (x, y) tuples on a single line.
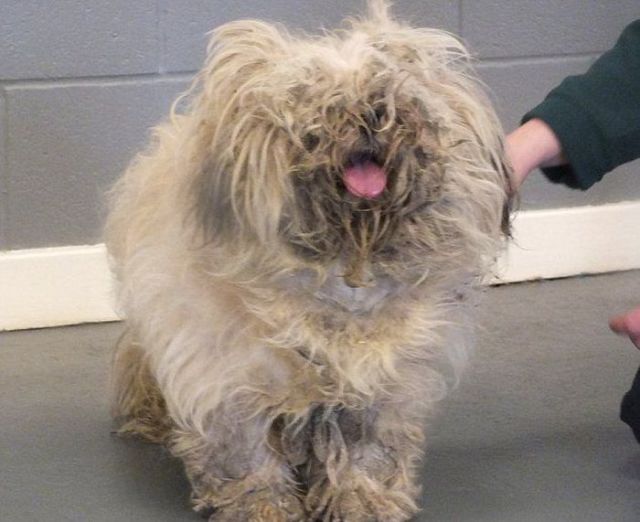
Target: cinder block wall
[(81, 81)]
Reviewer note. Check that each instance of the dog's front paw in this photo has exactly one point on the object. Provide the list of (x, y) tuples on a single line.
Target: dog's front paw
[(359, 500), (263, 505)]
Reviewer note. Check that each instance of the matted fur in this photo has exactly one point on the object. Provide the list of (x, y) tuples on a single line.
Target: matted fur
[(285, 338)]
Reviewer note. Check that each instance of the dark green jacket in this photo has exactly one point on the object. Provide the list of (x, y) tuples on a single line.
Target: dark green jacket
[(596, 116)]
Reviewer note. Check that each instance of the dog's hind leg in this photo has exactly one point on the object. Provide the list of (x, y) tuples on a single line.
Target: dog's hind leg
[(136, 399)]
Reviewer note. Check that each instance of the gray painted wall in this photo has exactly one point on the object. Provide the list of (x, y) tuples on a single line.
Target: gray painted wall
[(81, 82)]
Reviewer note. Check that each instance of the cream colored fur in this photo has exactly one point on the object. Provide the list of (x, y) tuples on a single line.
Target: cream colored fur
[(286, 339)]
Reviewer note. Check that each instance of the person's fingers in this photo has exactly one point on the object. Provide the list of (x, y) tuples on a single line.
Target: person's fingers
[(633, 322), (628, 324), (618, 324)]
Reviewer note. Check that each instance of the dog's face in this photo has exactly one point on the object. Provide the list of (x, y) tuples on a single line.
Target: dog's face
[(371, 149)]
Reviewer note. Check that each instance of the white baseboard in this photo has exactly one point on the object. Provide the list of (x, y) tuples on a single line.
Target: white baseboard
[(70, 285), (570, 241), (54, 286)]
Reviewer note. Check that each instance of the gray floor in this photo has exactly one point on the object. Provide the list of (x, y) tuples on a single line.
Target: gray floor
[(531, 435)]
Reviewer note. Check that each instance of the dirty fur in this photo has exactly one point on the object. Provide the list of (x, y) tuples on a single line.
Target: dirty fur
[(286, 339)]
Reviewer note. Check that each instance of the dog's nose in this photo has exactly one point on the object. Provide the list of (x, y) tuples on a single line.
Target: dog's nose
[(359, 275), (358, 283)]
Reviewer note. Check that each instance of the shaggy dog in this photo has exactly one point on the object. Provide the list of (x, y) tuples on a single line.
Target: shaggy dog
[(295, 252)]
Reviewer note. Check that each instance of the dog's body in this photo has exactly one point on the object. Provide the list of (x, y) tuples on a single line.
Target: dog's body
[(293, 254)]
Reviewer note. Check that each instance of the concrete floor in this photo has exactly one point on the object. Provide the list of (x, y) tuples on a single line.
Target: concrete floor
[(531, 435)]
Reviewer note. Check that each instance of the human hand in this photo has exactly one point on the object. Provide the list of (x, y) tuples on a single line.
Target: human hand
[(628, 324), (530, 146)]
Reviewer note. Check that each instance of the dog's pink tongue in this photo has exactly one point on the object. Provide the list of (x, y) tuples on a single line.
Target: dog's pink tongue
[(365, 180)]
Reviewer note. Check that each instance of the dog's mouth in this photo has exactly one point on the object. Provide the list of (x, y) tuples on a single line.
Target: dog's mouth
[(364, 177)]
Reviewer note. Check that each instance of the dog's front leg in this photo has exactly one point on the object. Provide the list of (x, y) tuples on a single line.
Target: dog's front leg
[(365, 466), (235, 475)]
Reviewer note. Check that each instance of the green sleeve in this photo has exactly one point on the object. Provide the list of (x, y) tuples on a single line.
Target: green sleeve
[(596, 116)]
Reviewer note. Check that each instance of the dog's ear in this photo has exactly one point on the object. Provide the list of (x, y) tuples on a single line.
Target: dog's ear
[(236, 183), (242, 196), (213, 209), (239, 54), (511, 199), (485, 127), (239, 51)]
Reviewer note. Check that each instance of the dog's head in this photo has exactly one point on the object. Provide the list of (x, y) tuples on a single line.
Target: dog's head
[(371, 148)]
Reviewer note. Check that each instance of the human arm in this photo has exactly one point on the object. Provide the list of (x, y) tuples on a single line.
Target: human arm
[(530, 146), (595, 117)]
